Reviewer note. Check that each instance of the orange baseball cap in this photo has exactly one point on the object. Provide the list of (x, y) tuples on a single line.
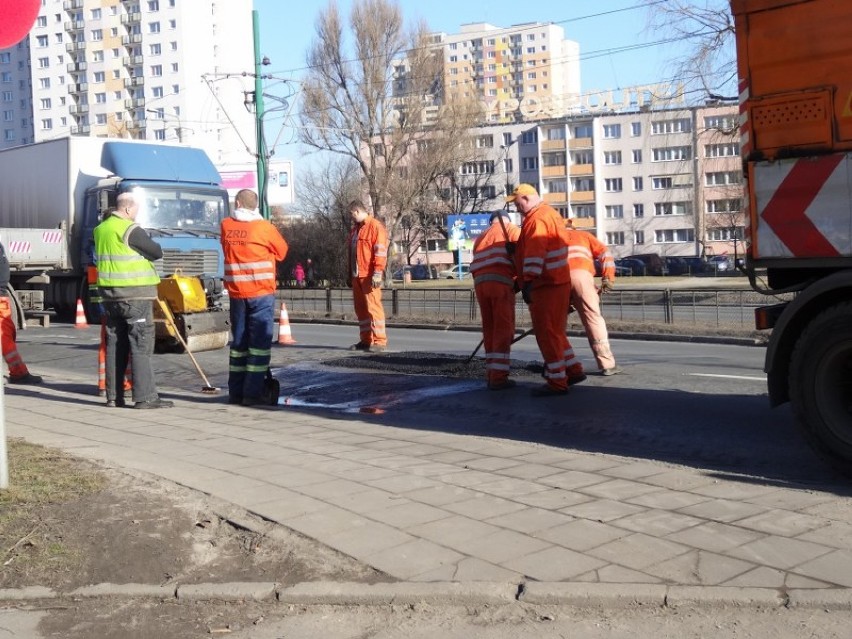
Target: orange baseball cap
[(522, 189)]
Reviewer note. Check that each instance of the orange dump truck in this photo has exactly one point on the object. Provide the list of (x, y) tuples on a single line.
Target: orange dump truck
[(795, 71)]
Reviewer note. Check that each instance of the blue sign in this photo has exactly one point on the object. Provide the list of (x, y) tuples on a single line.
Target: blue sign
[(464, 228)]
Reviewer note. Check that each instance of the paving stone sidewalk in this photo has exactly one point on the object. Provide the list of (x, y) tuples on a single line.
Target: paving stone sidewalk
[(428, 506)]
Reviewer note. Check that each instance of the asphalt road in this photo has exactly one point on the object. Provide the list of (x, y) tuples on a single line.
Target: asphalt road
[(701, 405)]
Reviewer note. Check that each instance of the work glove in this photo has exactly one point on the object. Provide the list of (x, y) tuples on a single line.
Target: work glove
[(510, 248), (526, 292), (607, 285), (377, 280)]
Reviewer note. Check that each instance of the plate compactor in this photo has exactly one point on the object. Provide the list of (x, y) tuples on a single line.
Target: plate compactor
[(203, 324)]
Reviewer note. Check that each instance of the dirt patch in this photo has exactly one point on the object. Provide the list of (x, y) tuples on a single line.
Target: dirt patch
[(120, 528)]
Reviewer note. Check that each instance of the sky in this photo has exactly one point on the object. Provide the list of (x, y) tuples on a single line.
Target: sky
[(601, 28)]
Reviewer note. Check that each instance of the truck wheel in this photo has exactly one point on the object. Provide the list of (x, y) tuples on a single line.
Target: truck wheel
[(821, 385)]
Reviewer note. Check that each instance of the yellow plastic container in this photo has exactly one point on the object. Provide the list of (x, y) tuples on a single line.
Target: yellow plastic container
[(182, 294)]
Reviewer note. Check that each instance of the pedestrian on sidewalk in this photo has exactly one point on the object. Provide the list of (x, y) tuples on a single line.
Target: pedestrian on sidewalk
[(18, 371), (583, 249), (493, 271), (541, 260), (127, 281), (368, 256), (299, 275), (252, 246)]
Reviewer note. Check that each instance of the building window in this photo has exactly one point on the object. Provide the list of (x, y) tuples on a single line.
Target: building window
[(96, 14), (614, 212), (98, 55), (635, 129), (485, 142), (665, 182), (638, 237), (636, 156), (157, 92), (584, 210), (612, 131), (723, 178), (508, 165), (732, 205), (720, 122), (663, 127), (157, 70), (153, 5), (101, 118), (41, 41), (97, 35), (638, 184), (612, 185), (529, 164), (673, 236), (612, 157), (100, 98), (529, 137), (721, 150), (639, 210), (45, 103), (153, 27), (155, 49), (583, 131), (672, 153), (673, 208), (556, 133), (615, 238), (159, 134), (46, 124), (99, 76), (507, 139), (726, 234), (43, 63)]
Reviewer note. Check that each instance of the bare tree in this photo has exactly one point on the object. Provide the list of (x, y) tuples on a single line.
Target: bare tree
[(706, 27), (323, 231), (383, 106)]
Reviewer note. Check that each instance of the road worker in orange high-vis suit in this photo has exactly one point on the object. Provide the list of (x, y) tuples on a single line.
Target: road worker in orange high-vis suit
[(583, 249), (541, 259), (368, 256), (493, 270), (18, 371)]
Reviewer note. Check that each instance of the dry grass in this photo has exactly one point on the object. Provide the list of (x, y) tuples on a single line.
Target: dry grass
[(38, 477)]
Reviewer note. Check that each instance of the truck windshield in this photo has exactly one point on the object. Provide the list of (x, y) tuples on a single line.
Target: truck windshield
[(180, 209)]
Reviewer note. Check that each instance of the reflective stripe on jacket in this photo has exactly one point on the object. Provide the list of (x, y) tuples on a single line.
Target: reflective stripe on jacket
[(119, 265), (584, 248), (542, 253), (491, 262), (251, 250), (368, 248)]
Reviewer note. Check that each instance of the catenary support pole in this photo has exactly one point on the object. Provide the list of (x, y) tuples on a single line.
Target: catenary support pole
[(263, 205)]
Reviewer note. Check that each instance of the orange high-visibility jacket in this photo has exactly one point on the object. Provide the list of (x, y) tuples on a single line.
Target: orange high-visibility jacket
[(491, 262), (251, 250), (368, 248), (542, 253), (584, 248)]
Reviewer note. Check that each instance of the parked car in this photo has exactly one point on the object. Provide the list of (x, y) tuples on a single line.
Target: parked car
[(417, 271), (654, 264), (720, 263), (636, 267), (697, 265), (675, 265), (457, 272)]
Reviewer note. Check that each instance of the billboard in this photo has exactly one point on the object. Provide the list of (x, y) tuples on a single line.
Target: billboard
[(279, 188), (463, 229)]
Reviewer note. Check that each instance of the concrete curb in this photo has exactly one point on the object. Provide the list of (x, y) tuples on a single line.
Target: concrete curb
[(568, 594)]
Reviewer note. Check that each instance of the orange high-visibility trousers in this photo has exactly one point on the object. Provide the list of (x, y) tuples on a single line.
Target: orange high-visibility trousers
[(369, 311), (549, 315), (8, 343), (497, 307), (587, 303)]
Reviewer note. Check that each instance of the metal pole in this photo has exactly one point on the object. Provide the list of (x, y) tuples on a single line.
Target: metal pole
[(4, 457), (258, 118)]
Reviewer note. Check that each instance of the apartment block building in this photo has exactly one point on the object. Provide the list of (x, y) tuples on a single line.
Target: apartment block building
[(520, 73), (143, 69), (665, 181)]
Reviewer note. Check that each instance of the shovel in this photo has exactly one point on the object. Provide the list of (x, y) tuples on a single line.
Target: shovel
[(482, 341), (207, 388)]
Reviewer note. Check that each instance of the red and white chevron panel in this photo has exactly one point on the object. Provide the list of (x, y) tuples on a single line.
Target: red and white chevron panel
[(17, 246), (51, 237), (804, 207)]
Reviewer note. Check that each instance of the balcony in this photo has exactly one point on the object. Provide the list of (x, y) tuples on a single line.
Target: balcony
[(582, 169), (81, 129), (71, 47), (72, 5), (552, 145), (133, 60), (81, 87), (75, 25), (553, 171), (134, 103), (580, 143), (78, 109), (582, 197), (134, 82), (76, 67), (555, 198), (130, 40), (130, 19)]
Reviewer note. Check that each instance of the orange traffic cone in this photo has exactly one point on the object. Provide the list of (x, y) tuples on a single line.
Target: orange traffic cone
[(80, 320), (284, 335)]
